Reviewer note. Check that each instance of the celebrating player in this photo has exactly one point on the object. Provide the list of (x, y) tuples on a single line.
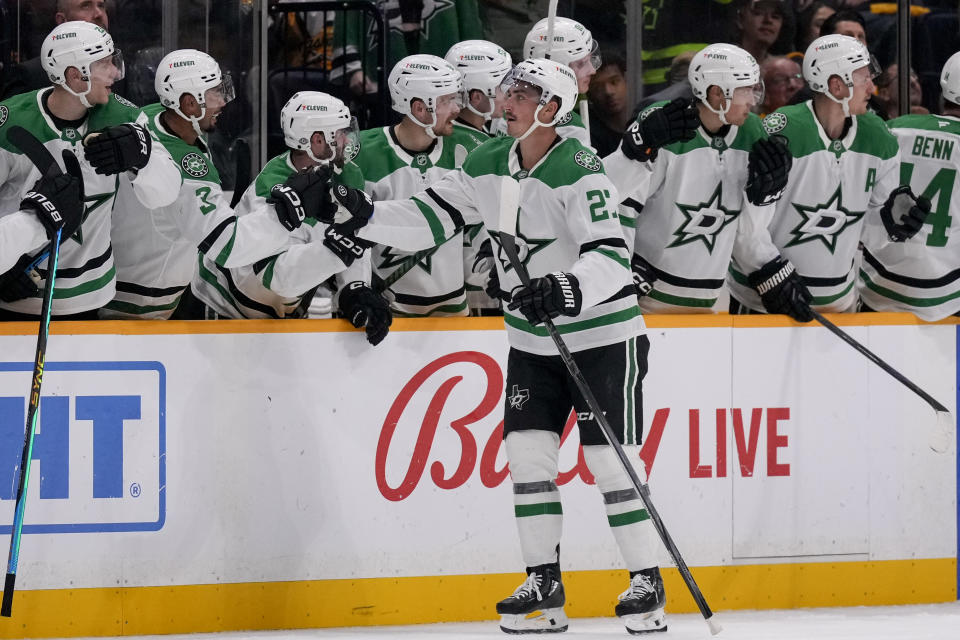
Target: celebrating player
[(82, 64), (570, 241), (686, 189)]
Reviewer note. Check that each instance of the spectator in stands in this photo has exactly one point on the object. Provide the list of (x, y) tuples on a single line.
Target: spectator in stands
[(29, 76), (888, 94), (609, 109), (782, 78), (679, 86), (758, 24), (809, 22), (846, 23)]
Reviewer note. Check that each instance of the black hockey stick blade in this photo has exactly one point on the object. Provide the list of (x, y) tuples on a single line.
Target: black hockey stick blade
[(943, 434), (31, 147), (509, 212)]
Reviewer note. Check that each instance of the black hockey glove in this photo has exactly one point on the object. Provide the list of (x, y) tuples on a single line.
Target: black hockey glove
[(910, 210), (18, 283), (781, 291), (363, 307), (483, 261), (301, 196), (117, 149), (57, 199), (555, 294), (357, 203), (676, 121), (345, 246), (767, 169), (643, 275)]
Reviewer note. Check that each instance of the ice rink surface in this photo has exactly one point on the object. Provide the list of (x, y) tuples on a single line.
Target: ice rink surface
[(913, 622)]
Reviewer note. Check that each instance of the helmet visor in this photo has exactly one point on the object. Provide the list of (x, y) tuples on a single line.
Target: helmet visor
[(346, 142), (109, 67), (448, 106), (518, 82), (224, 91)]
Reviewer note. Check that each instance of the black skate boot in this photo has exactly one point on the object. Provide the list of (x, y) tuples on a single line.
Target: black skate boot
[(641, 606), (537, 604)]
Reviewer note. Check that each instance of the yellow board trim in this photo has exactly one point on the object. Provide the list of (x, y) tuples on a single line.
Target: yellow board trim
[(394, 601), (654, 321)]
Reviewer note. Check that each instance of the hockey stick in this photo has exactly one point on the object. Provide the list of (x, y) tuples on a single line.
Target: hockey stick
[(551, 20), (509, 209), (945, 422), (382, 284), (41, 157)]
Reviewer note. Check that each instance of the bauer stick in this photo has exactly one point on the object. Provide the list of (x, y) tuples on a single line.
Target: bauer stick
[(40, 156), (941, 438), (509, 209)]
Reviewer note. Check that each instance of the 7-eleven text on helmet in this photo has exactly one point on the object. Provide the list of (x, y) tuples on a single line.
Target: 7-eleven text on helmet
[(80, 57), (190, 83), (483, 66), (321, 126), (426, 89), (735, 73), (529, 89), (573, 45)]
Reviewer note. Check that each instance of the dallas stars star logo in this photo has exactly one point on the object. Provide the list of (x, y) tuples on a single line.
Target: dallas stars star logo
[(824, 222), (93, 203), (389, 259), (391, 9), (526, 247), (704, 221)]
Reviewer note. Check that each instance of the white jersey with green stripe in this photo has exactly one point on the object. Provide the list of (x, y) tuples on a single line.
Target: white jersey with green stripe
[(156, 253), (681, 213), (429, 283), (86, 274), (568, 221), (275, 286), (921, 275), (834, 188)]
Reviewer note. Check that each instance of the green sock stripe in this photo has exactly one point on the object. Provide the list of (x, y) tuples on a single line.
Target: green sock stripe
[(630, 517), (540, 509)]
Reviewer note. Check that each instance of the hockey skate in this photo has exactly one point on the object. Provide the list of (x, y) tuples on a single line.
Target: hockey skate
[(641, 606), (537, 604)]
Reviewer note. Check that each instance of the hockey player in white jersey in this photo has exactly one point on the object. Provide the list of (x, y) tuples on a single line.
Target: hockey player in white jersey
[(82, 63), (401, 160), (570, 240), (846, 168), (319, 133), (574, 46), (156, 253), (483, 66), (921, 275), (683, 202)]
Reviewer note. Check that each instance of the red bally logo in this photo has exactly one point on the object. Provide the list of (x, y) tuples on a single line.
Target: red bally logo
[(472, 457)]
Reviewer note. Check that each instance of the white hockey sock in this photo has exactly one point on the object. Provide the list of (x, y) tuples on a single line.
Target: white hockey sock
[(629, 521), (532, 455)]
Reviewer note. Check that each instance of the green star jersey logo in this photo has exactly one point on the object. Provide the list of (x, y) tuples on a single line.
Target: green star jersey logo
[(704, 221), (94, 202), (823, 222), (389, 259)]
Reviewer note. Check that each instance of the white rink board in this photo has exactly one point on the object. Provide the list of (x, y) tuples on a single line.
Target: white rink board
[(271, 442)]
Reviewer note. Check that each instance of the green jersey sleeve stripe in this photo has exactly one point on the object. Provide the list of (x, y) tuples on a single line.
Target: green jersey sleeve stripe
[(225, 254), (268, 272), (681, 301), (86, 287), (910, 300), (614, 256), (436, 227)]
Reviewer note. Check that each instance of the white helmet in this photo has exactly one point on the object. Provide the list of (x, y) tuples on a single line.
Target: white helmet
[(950, 79), (725, 66), (422, 77), (192, 72), (483, 66), (77, 44), (310, 111), (571, 42), (834, 55), (553, 78)]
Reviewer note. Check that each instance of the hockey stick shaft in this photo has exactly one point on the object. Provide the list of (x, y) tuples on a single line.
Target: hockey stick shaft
[(508, 242), (875, 359), (13, 558), (551, 21)]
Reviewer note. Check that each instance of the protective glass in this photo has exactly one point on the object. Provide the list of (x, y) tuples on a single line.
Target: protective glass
[(224, 91), (109, 68), (346, 142)]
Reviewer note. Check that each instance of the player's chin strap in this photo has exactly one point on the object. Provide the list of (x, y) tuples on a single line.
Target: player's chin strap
[(428, 128), (194, 120), (486, 115), (82, 96), (721, 113), (845, 101), (323, 161), (536, 120)]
